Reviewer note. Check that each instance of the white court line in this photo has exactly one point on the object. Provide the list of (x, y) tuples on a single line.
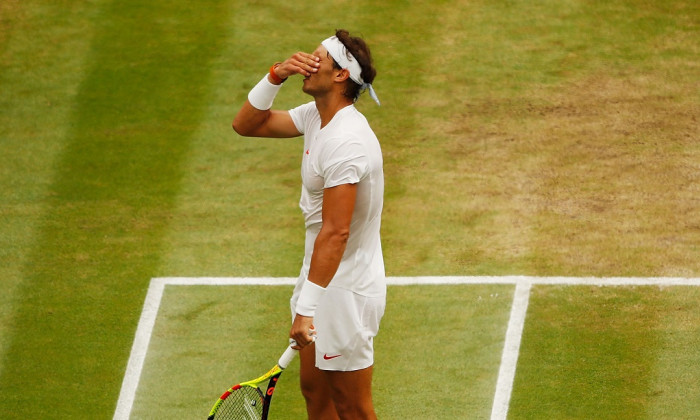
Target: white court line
[(139, 349), (511, 348)]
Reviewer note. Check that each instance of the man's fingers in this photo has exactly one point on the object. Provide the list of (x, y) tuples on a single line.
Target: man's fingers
[(301, 63), (306, 58), (301, 343), (303, 339)]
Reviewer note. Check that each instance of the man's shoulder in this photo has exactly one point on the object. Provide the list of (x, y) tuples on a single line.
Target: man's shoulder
[(305, 116), (305, 110)]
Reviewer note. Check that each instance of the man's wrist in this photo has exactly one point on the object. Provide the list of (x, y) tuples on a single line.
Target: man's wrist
[(263, 94), (309, 298), (274, 77)]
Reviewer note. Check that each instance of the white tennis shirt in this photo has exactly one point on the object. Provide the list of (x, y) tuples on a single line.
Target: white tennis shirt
[(345, 151)]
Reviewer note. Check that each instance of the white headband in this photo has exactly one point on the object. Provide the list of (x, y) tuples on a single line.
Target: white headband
[(347, 61)]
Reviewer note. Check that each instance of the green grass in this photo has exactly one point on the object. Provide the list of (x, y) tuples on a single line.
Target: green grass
[(539, 138), (199, 347), (627, 354), (104, 212)]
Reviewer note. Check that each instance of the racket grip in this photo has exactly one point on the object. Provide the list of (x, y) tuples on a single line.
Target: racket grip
[(287, 356)]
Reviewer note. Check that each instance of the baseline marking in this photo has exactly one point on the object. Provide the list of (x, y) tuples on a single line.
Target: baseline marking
[(511, 348)]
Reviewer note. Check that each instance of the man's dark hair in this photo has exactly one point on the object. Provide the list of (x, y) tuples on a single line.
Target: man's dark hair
[(360, 50)]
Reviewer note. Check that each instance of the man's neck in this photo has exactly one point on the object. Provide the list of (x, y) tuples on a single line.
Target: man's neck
[(329, 105)]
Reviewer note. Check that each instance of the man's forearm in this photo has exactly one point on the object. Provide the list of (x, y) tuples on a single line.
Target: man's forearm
[(328, 252)]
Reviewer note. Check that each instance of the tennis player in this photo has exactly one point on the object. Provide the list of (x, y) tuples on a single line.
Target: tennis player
[(340, 296)]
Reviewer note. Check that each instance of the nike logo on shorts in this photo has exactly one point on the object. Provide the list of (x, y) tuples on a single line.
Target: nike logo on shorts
[(327, 357)]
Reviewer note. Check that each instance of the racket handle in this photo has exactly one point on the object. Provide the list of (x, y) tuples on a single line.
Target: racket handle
[(287, 356)]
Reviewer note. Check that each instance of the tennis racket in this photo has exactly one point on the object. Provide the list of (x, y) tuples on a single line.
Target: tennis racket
[(247, 400)]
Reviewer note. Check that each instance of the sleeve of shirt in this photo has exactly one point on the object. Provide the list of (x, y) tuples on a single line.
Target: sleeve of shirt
[(300, 115), (344, 161)]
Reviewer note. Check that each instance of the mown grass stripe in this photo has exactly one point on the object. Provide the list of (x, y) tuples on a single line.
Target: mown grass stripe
[(41, 66), (114, 187)]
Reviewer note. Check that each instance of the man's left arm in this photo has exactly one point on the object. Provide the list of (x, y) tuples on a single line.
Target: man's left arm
[(338, 207)]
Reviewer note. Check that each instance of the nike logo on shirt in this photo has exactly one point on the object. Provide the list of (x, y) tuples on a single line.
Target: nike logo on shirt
[(327, 357)]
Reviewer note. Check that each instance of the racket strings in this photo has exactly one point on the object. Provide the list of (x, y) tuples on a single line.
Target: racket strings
[(245, 403)]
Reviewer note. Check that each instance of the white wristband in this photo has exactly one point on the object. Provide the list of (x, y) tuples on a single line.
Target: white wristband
[(263, 94), (311, 293)]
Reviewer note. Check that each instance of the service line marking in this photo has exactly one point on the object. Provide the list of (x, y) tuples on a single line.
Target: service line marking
[(511, 348)]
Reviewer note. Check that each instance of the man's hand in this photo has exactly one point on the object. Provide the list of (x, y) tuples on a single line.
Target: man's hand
[(302, 331), (299, 63)]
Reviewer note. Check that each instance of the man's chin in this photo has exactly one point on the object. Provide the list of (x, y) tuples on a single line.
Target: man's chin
[(304, 87)]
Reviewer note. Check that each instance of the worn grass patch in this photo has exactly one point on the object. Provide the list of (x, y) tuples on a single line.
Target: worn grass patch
[(564, 143)]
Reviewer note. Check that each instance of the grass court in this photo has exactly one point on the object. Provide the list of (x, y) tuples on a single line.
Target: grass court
[(527, 138)]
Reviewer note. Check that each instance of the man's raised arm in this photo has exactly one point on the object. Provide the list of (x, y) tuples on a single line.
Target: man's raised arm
[(255, 119)]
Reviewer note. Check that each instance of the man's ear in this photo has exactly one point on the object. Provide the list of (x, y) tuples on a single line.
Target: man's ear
[(342, 75)]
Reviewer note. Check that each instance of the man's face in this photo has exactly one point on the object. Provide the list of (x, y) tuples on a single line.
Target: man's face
[(321, 81)]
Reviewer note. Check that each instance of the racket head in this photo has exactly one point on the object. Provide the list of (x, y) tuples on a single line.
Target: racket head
[(239, 402), (246, 400)]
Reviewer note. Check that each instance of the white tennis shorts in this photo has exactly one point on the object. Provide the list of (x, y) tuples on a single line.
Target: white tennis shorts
[(346, 324)]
